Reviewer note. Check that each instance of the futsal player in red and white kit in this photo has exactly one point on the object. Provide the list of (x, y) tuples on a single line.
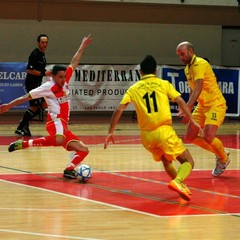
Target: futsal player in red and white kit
[(56, 93)]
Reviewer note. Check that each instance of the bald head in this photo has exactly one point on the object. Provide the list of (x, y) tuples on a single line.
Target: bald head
[(185, 52), (186, 45)]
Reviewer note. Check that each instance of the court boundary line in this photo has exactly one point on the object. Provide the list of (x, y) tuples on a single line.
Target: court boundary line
[(81, 198), (47, 235)]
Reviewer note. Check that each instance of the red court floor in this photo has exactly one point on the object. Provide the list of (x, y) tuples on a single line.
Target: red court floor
[(146, 192)]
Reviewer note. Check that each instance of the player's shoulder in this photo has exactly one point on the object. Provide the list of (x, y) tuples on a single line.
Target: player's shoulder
[(200, 61), (35, 53)]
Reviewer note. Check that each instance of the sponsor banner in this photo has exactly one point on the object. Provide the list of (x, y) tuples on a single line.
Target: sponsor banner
[(12, 78), (101, 87), (228, 81)]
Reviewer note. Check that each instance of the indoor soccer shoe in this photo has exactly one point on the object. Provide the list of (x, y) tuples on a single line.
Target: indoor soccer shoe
[(71, 174), (18, 132), (181, 189), (15, 146), (186, 189), (220, 166)]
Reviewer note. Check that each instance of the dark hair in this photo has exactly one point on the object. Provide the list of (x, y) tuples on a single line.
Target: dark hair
[(148, 65), (40, 36), (58, 68)]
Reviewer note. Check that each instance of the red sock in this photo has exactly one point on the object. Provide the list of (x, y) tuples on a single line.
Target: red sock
[(43, 141), (77, 159)]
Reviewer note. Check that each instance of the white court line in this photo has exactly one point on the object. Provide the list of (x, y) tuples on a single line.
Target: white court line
[(84, 199), (58, 210), (46, 235)]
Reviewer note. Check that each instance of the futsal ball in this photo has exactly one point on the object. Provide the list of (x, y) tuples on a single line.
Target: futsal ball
[(84, 173)]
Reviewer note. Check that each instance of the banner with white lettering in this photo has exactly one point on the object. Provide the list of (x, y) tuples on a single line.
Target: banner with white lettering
[(12, 77), (228, 81), (101, 87)]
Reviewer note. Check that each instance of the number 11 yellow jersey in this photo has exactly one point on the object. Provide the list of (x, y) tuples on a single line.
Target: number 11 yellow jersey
[(150, 97)]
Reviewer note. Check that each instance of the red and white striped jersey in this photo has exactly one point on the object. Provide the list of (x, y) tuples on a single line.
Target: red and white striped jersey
[(56, 97)]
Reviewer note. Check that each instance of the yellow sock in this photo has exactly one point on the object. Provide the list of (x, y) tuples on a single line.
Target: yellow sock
[(203, 144), (171, 170), (218, 147), (183, 171), (215, 147)]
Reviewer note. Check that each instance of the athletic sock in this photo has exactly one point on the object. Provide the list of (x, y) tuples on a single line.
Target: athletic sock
[(219, 149), (199, 141), (215, 146), (77, 159), (183, 172), (38, 142)]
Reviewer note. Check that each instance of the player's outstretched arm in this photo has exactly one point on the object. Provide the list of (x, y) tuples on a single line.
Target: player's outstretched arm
[(5, 107), (114, 120), (77, 57)]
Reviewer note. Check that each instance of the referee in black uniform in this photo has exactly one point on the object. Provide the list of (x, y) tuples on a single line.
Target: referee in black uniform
[(35, 72)]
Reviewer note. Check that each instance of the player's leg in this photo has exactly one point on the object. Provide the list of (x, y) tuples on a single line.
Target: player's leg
[(192, 132), (222, 155), (56, 138), (184, 170), (174, 148), (213, 118), (165, 145), (169, 168), (73, 143), (47, 141), (32, 111)]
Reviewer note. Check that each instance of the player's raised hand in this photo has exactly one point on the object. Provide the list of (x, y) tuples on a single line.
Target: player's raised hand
[(86, 41), (108, 139)]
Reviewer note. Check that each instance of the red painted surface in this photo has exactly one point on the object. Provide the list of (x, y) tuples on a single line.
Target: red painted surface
[(147, 191), (231, 141)]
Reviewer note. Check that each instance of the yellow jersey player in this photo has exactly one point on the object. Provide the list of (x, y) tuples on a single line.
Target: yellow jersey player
[(211, 108), (150, 97)]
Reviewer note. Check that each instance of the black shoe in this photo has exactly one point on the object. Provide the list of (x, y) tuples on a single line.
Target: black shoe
[(19, 132), (71, 174)]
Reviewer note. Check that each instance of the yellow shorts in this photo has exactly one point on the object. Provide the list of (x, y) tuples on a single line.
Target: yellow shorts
[(213, 115), (163, 141)]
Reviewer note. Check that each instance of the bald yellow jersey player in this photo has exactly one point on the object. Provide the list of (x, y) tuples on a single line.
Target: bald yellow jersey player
[(150, 97), (211, 105)]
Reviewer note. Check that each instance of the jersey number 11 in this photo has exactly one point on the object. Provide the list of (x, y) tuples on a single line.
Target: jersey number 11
[(148, 98)]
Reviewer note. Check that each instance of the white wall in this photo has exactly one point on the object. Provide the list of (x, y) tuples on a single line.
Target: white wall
[(112, 42)]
